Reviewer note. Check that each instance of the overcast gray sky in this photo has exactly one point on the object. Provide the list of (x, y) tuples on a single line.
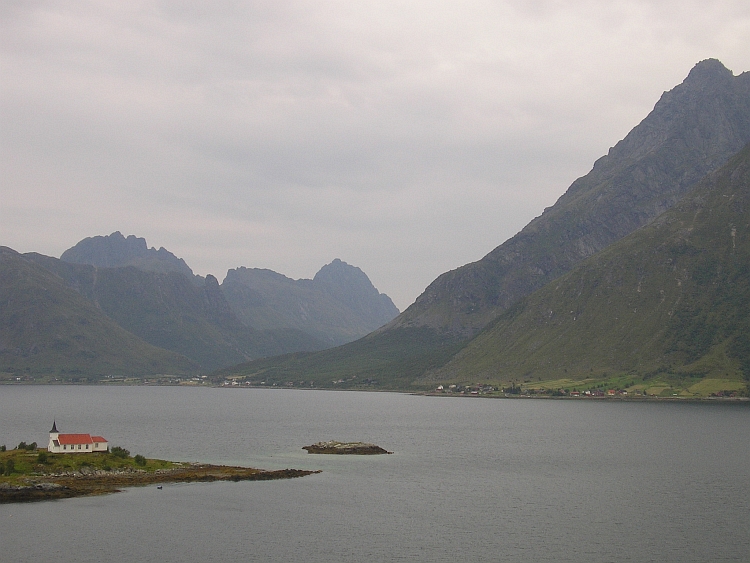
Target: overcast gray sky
[(406, 138)]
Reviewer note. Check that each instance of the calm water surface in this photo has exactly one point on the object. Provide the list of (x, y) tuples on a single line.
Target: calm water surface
[(470, 479)]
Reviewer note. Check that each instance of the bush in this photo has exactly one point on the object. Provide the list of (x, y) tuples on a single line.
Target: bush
[(3, 448), (10, 467), (24, 446), (122, 453), (140, 460), (42, 457)]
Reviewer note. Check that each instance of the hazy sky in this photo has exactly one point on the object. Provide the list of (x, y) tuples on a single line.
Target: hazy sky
[(406, 138)]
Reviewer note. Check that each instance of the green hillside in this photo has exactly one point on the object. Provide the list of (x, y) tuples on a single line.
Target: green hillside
[(393, 360), (47, 329), (693, 130), (666, 309)]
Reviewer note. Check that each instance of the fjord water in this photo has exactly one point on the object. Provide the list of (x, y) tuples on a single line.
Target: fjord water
[(469, 480)]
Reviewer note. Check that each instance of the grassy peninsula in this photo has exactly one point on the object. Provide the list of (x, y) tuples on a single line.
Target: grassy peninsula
[(31, 475)]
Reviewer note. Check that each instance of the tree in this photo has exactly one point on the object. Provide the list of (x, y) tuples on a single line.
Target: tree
[(140, 460), (10, 467), (117, 451)]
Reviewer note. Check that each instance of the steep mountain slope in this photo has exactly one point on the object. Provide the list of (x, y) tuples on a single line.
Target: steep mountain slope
[(169, 310), (671, 300), (692, 130), (47, 328), (115, 250), (338, 305)]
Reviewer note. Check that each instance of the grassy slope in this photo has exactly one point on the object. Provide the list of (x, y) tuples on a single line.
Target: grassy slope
[(48, 329), (390, 360), (28, 463), (693, 130), (668, 305)]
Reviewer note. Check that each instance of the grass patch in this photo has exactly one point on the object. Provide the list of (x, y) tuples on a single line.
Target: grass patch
[(24, 463)]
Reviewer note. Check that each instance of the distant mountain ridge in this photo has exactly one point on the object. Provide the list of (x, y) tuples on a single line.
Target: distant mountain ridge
[(115, 250), (49, 329), (156, 298), (338, 305), (171, 311), (693, 130)]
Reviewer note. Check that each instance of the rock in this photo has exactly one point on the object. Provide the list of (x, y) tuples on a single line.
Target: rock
[(345, 448)]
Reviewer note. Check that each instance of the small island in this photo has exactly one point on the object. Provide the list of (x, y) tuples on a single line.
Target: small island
[(345, 448), (27, 474)]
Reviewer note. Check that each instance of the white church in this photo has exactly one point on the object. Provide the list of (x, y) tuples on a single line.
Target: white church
[(75, 443)]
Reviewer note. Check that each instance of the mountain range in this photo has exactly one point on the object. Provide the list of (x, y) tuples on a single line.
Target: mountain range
[(636, 278), (159, 301), (693, 130)]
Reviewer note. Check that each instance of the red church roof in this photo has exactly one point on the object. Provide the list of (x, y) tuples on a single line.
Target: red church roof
[(69, 439), (98, 439)]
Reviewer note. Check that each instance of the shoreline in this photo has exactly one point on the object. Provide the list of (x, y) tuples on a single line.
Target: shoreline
[(79, 484), (619, 398)]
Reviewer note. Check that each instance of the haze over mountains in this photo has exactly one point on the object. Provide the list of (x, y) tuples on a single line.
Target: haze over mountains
[(694, 129), (47, 328), (638, 272), (155, 296)]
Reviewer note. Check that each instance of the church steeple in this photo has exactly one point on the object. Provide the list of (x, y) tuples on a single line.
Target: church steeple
[(54, 428)]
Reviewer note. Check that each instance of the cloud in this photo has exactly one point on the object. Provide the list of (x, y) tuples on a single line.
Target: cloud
[(406, 138)]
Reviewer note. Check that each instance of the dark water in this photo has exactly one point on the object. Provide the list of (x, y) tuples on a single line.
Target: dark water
[(470, 479)]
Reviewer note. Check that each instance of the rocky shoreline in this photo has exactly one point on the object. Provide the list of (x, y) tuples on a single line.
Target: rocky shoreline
[(345, 448), (98, 482)]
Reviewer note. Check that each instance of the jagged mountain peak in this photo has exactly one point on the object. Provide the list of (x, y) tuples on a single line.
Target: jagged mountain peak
[(708, 71), (116, 250), (338, 305), (692, 130)]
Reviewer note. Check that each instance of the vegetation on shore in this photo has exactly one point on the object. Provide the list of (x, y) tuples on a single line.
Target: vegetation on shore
[(28, 474)]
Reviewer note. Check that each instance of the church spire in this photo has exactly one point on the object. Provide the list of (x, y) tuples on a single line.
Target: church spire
[(54, 428)]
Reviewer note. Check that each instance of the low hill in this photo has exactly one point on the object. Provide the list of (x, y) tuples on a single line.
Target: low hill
[(47, 329), (338, 305), (667, 306), (171, 311)]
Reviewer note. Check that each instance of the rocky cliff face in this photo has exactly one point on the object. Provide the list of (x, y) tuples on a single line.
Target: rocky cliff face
[(114, 251), (339, 305), (671, 300), (171, 311), (692, 130)]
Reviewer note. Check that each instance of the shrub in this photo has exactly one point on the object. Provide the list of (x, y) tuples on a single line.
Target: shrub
[(140, 460), (24, 446), (10, 467), (42, 457), (2, 448), (122, 453)]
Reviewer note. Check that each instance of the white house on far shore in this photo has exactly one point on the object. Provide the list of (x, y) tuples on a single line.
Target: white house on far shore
[(75, 443)]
